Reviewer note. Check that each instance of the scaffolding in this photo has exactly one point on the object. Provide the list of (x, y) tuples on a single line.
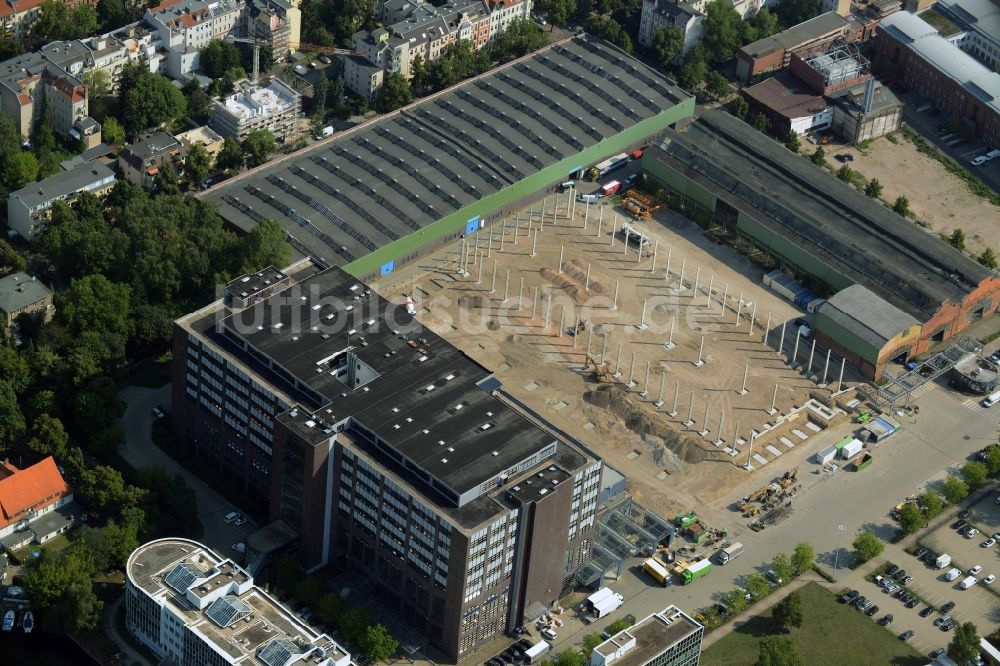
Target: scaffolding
[(898, 391), (839, 63), (625, 529)]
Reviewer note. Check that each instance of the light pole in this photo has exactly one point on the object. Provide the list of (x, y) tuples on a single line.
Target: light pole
[(840, 539)]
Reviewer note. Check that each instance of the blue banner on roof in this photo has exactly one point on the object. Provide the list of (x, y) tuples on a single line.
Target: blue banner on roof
[(387, 267), (472, 226)]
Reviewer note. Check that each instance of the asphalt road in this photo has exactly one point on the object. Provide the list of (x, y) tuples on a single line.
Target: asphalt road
[(139, 451)]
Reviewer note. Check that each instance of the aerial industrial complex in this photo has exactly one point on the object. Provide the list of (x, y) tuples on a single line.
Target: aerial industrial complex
[(380, 443), (831, 235), (375, 197)]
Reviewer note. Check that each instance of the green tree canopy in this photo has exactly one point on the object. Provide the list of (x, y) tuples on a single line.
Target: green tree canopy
[(793, 12), (19, 169), (12, 424), (792, 141), (264, 246), (957, 239), (112, 131), (819, 156), (911, 518), (867, 546), (230, 157), (197, 164), (354, 624), (717, 84), (258, 147), (803, 557), (739, 108), (782, 565), (845, 173), (988, 258), (901, 206), (974, 474), (558, 12), (757, 586), (10, 259), (993, 459), (590, 641), (777, 651), (611, 30), (722, 32), (378, 644), (61, 586), (788, 612), (48, 437), (521, 37), (570, 658), (694, 70), (148, 99), (169, 504), (964, 645), (394, 93), (954, 489), (873, 188), (667, 44), (932, 503), (764, 24), (217, 57)]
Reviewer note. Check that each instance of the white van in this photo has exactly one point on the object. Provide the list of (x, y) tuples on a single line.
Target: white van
[(991, 400), (588, 198), (968, 582), (952, 574)]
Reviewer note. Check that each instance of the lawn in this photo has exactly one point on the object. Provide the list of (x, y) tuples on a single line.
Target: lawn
[(831, 633)]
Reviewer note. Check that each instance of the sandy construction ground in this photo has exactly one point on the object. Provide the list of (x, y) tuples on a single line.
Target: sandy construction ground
[(936, 197), (672, 466)]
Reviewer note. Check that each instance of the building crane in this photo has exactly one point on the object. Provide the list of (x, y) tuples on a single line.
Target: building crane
[(256, 43)]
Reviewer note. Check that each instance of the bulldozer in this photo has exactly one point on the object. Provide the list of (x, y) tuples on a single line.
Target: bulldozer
[(602, 371), (579, 328), (788, 479)]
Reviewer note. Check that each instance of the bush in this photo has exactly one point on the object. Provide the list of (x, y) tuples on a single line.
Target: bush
[(867, 546)]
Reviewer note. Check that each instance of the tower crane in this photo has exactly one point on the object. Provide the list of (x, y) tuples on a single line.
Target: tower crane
[(256, 43)]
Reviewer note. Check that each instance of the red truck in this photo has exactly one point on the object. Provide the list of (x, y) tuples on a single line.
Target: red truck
[(610, 188)]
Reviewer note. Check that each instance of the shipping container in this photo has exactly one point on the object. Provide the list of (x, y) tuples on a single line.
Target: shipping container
[(842, 443), (696, 571), (851, 449), (826, 455), (803, 298), (657, 570), (771, 277)]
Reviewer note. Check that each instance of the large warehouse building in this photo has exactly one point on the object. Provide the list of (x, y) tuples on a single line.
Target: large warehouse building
[(378, 195), (387, 450), (831, 236)]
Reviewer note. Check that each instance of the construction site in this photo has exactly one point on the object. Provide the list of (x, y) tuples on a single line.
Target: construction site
[(628, 328)]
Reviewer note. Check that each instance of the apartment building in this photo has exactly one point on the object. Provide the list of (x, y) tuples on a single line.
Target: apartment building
[(186, 26), (274, 107), (17, 17), (30, 83), (958, 84), (418, 28), (386, 449), (22, 294), (668, 638), (140, 162), (660, 14), (278, 22), (190, 605), (28, 209)]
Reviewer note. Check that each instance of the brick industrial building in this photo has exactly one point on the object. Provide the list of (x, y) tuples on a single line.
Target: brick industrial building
[(832, 237), (956, 83), (387, 450)]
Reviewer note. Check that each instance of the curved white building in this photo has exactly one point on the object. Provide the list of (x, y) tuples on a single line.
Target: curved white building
[(196, 608)]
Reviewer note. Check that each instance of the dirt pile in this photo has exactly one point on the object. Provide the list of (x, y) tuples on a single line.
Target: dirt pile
[(622, 404), (572, 288), (577, 269)]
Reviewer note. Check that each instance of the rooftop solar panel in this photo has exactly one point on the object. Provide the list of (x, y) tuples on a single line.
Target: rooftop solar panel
[(277, 652), (181, 577), (228, 610)]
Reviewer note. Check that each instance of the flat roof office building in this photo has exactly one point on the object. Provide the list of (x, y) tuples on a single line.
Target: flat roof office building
[(667, 638), (386, 449)]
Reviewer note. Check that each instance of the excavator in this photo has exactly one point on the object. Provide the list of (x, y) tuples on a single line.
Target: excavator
[(602, 371), (788, 479)]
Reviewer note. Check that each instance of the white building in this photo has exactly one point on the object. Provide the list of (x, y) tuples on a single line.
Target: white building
[(274, 107), (28, 209), (668, 638), (187, 26), (189, 605), (979, 21), (660, 14)]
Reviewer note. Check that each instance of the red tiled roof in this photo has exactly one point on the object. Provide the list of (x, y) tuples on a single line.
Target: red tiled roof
[(20, 6), (31, 488)]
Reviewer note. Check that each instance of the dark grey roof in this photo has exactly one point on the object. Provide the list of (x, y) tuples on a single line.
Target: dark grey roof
[(862, 312), (841, 227), (386, 179), (852, 99), (803, 32), (151, 145), (63, 184), (20, 290)]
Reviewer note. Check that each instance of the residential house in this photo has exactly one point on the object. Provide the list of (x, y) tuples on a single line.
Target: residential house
[(20, 294), (35, 504), (660, 14), (140, 162), (28, 209), (187, 26)]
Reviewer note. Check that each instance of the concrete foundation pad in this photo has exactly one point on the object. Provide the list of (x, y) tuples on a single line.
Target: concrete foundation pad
[(760, 459)]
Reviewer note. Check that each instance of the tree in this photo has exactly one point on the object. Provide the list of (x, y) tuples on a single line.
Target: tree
[(667, 44), (954, 489), (199, 104), (932, 503), (993, 459), (590, 641), (112, 131), (793, 12), (418, 80), (757, 586), (54, 21), (520, 37), (9, 48), (901, 206), (258, 147), (170, 504), (957, 239), (217, 57), (911, 519), (378, 644), (964, 646), (354, 624), (197, 164), (10, 259), (819, 156), (85, 20), (764, 24), (310, 590), (739, 108), (329, 608), (721, 32), (845, 173), (873, 188), (148, 99), (803, 557), (19, 170), (61, 586), (570, 658), (867, 546), (735, 601), (988, 258), (782, 565), (12, 424), (165, 181), (717, 84), (264, 246), (792, 141), (974, 474), (394, 93), (611, 30), (760, 122), (95, 311), (557, 11), (320, 90), (694, 70), (230, 157), (788, 612), (619, 625), (777, 651), (48, 437), (103, 488)]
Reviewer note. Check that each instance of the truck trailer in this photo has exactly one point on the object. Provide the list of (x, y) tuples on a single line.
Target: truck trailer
[(610, 187), (730, 553), (657, 570), (604, 602), (610, 164), (696, 571)]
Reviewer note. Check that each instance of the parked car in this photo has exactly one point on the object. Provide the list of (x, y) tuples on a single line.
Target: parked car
[(891, 569), (886, 621), (853, 594), (959, 525), (240, 547), (548, 633), (906, 635), (912, 603), (927, 611), (899, 575), (940, 621), (989, 579), (971, 533), (978, 159), (948, 607), (242, 520), (871, 610), (891, 588), (975, 571), (157, 413), (989, 543), (907, 580), (920, 553), (937, 653), (232, 516), (325, 59), (965, 514)]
